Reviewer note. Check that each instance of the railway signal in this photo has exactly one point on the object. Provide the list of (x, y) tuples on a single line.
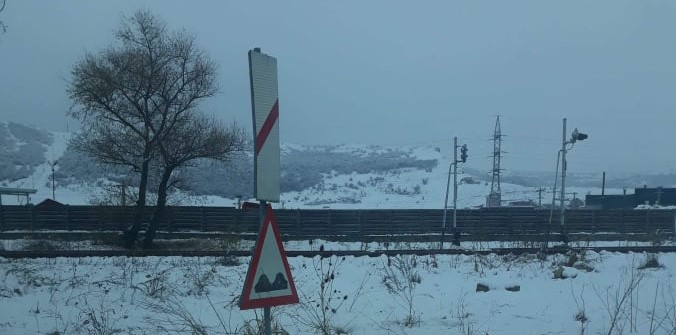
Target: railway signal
[(453, 168), (463, 153)]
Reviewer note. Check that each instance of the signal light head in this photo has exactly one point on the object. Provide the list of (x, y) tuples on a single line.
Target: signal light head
[(463, 153)]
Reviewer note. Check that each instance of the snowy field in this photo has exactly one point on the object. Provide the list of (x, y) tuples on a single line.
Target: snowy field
[(590, 293)]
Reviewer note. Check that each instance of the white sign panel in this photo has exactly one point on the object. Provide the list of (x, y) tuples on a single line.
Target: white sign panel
[(265, 108)]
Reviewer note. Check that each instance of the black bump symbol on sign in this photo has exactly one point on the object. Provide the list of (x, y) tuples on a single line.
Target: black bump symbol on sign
[(264, 285)]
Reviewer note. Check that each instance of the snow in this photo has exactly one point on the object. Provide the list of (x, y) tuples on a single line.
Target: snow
[(164, 294), (211, 241), (395, 189), (42, 178), (158, 295)]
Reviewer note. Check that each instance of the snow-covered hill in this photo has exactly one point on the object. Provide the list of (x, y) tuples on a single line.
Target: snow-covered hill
[(341, 176), (411, 188)]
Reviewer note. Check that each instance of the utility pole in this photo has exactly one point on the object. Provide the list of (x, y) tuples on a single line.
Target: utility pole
[(659, 196), (53, 164), (123, 193), (540, 190)]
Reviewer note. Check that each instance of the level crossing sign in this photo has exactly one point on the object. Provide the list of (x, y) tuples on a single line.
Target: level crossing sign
[(268, 281), (265, 109)]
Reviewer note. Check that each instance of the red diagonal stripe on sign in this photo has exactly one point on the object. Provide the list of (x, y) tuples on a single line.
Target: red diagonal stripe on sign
[(267, 127)]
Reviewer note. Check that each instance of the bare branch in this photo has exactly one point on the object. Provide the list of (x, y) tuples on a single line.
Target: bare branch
[(3, 28), (138, 100)]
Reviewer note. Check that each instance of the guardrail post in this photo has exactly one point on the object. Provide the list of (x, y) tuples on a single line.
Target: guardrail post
[(298, 227), (330, 226), (202, 218), (476, 230), (68, 217), (673, 232), (235, 225), (361, 227), (391, 222), (33, 217)]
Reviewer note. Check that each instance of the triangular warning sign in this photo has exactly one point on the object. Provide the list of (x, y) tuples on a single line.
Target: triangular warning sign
[(268, 281)]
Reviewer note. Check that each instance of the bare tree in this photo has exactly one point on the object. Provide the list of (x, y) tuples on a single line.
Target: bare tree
[(111, 144), (195, 137), (3, 28), (131, 96)]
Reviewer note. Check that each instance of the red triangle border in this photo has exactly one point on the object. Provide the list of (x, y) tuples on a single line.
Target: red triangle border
[(244, 302)]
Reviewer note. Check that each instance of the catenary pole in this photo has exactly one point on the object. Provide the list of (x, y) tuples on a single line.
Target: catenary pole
[(443, 222), (563, 179), (455, 191)]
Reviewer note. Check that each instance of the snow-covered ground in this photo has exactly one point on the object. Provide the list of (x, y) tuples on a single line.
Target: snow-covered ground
[(591, 293), (216, 243)]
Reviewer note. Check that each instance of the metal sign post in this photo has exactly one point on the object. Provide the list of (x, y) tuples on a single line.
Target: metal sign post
[(267, 321), (268, 282)]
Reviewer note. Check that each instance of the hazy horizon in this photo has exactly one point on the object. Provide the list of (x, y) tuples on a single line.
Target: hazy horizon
[(399, 73)]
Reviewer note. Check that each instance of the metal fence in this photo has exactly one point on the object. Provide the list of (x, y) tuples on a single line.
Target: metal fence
[(348, 223)]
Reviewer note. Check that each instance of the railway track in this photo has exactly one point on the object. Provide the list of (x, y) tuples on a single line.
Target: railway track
[(313, 253)]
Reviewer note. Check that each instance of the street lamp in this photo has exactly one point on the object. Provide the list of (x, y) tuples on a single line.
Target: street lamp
[(574, 137)]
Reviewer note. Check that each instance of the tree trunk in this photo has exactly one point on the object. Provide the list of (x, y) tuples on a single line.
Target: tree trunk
[(159, 209), (131, 234)]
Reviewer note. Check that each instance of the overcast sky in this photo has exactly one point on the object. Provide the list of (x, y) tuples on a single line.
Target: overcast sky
[(399, 72)]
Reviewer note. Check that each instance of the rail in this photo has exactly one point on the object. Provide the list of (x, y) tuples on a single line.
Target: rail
[(339, 253)]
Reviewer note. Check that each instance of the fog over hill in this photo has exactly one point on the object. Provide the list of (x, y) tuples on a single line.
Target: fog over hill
[(339, 176), (22, 149)]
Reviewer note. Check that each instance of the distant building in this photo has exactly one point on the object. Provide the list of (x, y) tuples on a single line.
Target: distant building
[(19, 192), (49, 204), (522, 203), (646, 195), (576, 203)]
